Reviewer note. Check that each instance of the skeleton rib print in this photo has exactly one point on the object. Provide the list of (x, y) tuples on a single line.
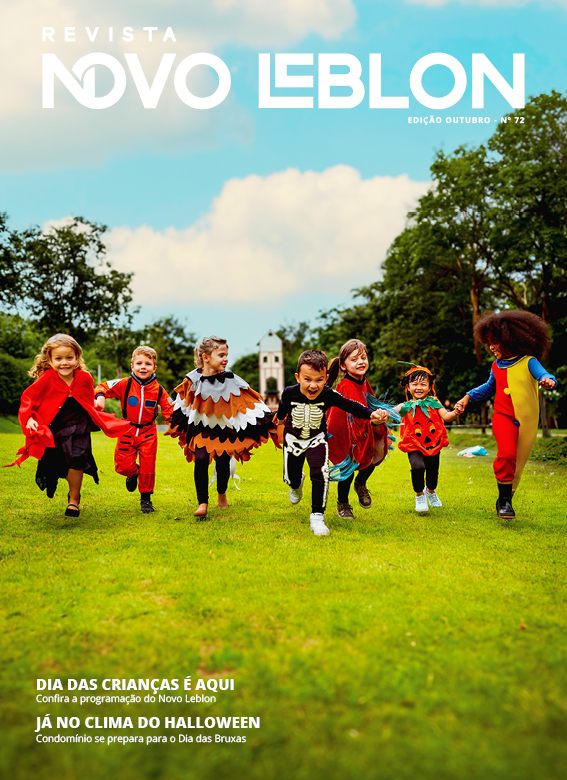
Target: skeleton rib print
[(307, 417)]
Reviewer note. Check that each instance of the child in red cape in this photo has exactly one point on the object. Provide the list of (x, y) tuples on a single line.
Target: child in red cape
[(57, 415), (354, 437)]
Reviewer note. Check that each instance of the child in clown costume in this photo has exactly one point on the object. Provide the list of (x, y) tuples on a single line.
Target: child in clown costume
[(354, 438), (516, 339), (216, 416), (423, 434)]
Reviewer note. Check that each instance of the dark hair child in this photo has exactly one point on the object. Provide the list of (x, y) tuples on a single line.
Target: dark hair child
[(351, 438), (302, 410), (423, 434), (516, 339)]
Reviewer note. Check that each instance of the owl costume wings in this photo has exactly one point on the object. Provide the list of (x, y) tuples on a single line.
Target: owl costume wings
[(220, 413)]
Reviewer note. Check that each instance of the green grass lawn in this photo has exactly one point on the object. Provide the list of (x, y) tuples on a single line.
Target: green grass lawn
[(402, 646)]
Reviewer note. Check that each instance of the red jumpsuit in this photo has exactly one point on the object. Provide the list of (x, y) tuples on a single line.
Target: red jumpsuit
[(140, 402)]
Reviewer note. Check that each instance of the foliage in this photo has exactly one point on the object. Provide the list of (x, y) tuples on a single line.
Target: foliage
[(296, 339), (491, 233), (247, 368), (13, 381), (67, 284), (552, 449)]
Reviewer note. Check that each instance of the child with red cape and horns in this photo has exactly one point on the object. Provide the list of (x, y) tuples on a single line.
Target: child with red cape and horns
[(57, 414), (354, 443)]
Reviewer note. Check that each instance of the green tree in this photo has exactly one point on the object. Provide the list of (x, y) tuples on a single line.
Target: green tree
[(68, 284)]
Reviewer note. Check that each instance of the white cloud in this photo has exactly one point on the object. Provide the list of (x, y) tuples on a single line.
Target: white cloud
[(271, 238), (72, 135)]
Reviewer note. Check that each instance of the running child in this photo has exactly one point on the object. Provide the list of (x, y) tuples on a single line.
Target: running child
[(302, 410), (517, 339), (141, 396), (354, 437), (57, 415), (423, 434), (217, 416)]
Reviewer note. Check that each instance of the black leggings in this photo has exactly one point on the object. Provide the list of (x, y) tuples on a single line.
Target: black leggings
[(318, 471), (202, 473), (361, 479), (424, 470)]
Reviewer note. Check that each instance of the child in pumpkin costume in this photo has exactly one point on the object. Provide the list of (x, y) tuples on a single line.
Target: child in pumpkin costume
[(516, 339), (423, 434), (216, 416), (351, 438)]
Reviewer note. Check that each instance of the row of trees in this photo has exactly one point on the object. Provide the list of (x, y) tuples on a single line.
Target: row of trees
[(63, 282), (490, 234)]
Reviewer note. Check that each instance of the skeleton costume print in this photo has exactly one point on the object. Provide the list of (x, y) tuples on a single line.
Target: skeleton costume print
[(305, 437)]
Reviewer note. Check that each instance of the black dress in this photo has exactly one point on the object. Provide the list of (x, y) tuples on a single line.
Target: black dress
[(71, 428)]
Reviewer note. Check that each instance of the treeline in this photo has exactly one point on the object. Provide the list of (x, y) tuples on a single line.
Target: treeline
[(64, 283), (491, 233)]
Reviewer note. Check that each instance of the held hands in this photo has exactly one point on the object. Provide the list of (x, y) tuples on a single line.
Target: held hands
[(461, 405), (32, 425), (99, 403), (379, 417), (547, 383)]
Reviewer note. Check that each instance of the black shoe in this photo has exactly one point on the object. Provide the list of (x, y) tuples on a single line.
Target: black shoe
[(146, 506), (132, 483), (504, 508), (72, 511)]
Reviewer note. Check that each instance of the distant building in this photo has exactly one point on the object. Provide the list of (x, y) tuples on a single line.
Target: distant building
[(270, 363)]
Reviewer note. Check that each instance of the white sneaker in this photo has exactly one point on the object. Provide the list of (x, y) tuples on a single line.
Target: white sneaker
[(433, 498), (421, 504), (317, 523), (296, 494)]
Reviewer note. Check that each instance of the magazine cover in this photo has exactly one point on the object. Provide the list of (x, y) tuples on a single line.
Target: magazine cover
[(283, 314)]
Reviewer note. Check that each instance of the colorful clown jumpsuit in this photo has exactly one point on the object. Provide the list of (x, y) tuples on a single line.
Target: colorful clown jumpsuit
[(140, 402), (516, 412)]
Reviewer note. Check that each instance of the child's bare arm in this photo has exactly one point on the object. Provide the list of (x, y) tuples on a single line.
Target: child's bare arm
[(461, 405), (448, 416), (99, 402)]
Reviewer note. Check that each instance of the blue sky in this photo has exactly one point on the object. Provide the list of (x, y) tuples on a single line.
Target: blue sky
[(240, 219)]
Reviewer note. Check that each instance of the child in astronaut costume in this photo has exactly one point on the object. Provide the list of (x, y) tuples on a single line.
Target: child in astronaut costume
[(302, 410), (141, 397)]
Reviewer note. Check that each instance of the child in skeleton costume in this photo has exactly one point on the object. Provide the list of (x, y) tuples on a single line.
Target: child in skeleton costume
[(423, 434), (217, 416), (141, 397), (516, 339), (302, 409), (57, 415), (352, 438)]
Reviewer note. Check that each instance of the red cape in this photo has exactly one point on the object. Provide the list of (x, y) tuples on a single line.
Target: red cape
[(350, 435), (44, 399)]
